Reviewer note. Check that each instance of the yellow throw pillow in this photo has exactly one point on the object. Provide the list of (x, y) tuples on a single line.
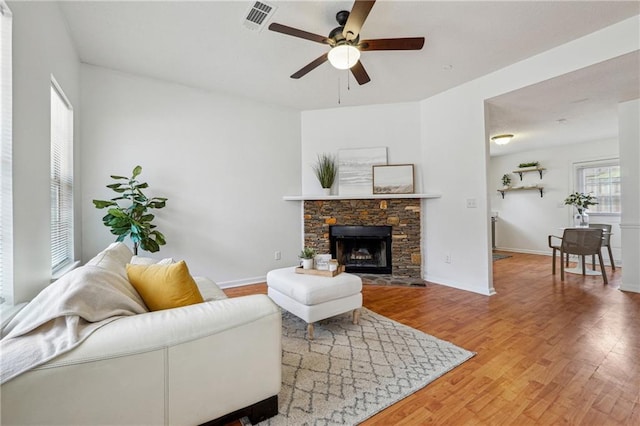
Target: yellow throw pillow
[(164, 286)]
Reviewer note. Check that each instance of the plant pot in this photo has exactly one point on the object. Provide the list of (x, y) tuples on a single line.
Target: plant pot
[(307, 263), (326, 191)]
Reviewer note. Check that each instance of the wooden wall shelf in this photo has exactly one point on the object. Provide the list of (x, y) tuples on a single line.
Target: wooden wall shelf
[(522, 188), (521, 171)]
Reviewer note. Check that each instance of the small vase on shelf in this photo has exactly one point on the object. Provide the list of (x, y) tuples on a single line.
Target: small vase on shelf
[(581, 219), (326, 191)]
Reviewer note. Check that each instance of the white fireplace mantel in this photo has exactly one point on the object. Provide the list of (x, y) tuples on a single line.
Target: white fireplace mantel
[(319, 197)]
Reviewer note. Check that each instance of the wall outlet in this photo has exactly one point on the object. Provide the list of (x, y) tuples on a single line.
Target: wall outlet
[(277, 255), (472, 203), (447, 258)]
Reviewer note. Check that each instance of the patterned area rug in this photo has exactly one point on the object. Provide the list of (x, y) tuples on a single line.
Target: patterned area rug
[(350, 372)]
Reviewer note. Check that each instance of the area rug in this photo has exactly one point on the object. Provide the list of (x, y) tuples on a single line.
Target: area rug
[(500, 256), (350, 372)]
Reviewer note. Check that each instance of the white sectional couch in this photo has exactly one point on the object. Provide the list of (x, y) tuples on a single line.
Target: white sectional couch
[(182, 366)]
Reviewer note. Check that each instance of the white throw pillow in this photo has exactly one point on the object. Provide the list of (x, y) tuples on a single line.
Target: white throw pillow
[(140, 260), (209, 290)]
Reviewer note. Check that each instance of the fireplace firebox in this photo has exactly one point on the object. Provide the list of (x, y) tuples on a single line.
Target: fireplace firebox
[(365, 249)]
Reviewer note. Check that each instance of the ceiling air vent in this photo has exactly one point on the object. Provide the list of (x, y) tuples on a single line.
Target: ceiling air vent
[(258, 15)]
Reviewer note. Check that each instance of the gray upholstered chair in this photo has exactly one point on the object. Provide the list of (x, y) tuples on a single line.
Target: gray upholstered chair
[(606, 240), (579, 241)]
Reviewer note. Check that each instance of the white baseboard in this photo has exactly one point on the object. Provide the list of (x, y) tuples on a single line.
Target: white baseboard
[(242, 282), (447, 283)]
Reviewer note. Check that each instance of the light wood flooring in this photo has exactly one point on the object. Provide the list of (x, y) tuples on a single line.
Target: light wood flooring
[(548, 352)]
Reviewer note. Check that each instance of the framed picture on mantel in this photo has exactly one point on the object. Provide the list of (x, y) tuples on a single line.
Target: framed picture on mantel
[(354, 169), (393, 179)]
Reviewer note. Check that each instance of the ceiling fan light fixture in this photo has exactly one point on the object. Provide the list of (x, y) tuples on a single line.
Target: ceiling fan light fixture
[(344, 56), (502, 139)]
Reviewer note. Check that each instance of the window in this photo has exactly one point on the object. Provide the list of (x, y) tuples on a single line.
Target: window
[(602, 179), (61, 179), (6, 195)]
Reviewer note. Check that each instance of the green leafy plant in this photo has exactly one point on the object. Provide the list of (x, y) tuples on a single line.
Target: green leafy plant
[(326, 169), (506, 179), (580, 200), (132, 219), (530, 164), (307, 253)]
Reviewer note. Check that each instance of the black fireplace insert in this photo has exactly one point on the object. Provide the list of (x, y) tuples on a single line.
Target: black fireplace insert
[(365, 249)]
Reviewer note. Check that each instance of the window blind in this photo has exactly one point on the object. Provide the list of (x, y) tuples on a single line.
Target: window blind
[(6, 193), (61, 179)]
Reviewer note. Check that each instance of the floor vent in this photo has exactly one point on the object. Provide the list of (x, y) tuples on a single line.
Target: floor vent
[(258, 15)]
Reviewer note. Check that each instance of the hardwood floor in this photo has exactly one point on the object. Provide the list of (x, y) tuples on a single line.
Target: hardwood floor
[(548, 352)]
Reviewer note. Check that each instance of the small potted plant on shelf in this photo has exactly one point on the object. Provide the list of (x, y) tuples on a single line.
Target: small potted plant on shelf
[(529, 165), (326, 169), (506, 181), (307, 254)]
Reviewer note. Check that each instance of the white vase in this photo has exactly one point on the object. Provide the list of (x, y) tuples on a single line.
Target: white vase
[(307, 263), (326, 191)]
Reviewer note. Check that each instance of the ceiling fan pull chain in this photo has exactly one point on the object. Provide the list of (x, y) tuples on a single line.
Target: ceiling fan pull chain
[(339, 90)]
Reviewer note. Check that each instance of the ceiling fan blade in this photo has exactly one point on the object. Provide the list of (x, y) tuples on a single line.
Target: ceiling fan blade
[(357, 16), (279, 28), (310, 66), (408, 43), (360, 73)]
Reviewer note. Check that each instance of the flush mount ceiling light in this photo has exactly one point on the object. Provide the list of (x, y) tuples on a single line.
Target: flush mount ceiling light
[(502, 139), (344, 56)]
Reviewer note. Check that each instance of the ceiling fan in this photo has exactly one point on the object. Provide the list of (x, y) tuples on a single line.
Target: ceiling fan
[(346, 44)]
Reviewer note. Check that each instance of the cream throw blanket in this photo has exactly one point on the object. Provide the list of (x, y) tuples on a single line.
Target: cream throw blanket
[(63, 315)]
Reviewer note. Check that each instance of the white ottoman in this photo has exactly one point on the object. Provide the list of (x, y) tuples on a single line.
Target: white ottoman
[(312, 297)]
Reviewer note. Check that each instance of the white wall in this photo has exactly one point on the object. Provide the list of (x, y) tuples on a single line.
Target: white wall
[(41, 48), (455, 146), (223, 162), (629, 135), (525, 219), (395, 126)]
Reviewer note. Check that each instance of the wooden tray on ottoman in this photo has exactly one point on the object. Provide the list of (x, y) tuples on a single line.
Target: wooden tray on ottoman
[(340, 269)]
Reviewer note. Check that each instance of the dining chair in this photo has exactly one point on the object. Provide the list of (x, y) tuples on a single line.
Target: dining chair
[(579, 241), (606, 240)]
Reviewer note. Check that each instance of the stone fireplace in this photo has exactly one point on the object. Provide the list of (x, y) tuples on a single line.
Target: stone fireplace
[(401, 216)]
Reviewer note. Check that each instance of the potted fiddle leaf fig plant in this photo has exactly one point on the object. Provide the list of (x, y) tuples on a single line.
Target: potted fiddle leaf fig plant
[(326, 169), (132, 219)]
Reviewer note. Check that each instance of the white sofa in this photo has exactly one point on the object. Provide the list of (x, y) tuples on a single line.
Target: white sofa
[(196, 364)]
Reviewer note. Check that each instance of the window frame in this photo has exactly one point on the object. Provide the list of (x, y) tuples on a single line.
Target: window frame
[(579, 184)]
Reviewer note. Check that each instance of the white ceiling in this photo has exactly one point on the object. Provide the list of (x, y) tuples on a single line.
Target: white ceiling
[(581, 106), (205, 45)]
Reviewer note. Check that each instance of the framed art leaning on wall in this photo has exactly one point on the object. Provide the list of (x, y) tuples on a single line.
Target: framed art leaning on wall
[(354, 169), (393, 179)]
